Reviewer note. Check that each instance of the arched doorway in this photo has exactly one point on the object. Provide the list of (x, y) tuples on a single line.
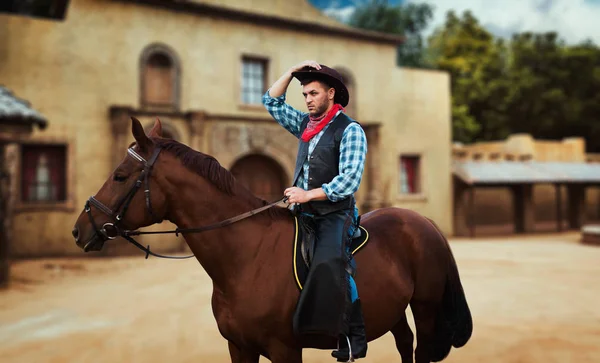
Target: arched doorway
[(263, 176)]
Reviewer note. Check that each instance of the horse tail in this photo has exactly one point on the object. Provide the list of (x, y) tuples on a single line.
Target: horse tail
[(454, 323)]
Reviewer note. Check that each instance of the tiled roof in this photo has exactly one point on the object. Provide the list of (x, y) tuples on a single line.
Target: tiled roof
[(15, 110)]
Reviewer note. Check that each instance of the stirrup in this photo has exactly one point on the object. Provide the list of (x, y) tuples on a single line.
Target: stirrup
[(350, 357)]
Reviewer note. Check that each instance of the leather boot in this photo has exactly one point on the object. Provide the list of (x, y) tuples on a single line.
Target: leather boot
[(358, 337)]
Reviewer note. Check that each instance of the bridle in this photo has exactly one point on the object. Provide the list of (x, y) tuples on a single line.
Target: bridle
[(110, 230), (114, 229)]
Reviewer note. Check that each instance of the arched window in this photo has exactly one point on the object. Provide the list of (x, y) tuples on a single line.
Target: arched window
[(160, 78), (351, 85)]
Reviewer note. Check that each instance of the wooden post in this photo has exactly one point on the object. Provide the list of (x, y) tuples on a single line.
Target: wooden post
[(461, 207), (595, 186), (576, 206), (559, 217), (472, 211), (523, 205), (517, 193), (4, 242)]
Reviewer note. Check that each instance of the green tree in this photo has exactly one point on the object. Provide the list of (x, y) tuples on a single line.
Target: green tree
[(584, 60), (537, 100), (408, 20), (535, 83), (555, 88), (477, 66)]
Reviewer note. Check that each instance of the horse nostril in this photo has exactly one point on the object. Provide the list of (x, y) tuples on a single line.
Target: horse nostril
[(76, 233)]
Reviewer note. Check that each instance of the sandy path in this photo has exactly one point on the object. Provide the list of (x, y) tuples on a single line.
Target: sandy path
[(534, 299)]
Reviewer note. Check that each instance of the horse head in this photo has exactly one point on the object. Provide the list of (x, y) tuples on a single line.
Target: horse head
[(124, 201)]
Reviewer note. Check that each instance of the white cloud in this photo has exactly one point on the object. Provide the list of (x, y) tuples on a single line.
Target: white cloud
[(340, 14), (573, 20)]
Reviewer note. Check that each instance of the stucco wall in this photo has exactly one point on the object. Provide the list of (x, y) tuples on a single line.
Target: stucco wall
[(419, 124), (74, 71)]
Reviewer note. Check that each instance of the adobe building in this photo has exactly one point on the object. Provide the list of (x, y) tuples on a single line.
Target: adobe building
[(202, 67), (17, 122), (523, 185)]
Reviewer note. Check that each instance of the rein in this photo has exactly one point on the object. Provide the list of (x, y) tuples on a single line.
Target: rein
[(111, 231), (128, 233)]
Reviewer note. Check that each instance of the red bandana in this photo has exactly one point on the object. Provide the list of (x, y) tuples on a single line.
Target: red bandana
[(316, 124)]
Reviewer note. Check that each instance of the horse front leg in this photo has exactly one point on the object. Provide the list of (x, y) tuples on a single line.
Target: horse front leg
[(242, 356)]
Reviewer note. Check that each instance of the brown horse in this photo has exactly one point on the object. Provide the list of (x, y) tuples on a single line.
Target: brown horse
[(407, 259)]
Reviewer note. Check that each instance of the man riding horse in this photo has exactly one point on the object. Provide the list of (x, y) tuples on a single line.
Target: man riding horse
[(329, 167)]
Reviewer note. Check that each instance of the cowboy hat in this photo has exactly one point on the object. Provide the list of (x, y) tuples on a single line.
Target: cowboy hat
[(330, 76)]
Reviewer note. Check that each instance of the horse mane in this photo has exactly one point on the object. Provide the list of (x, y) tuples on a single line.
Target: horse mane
[(204, 165), (209, 168)]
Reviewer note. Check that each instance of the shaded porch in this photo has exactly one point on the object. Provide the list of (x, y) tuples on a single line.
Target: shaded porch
[(569, 179)]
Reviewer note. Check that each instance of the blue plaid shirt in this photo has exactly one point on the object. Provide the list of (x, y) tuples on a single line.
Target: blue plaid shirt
[(353, 149)]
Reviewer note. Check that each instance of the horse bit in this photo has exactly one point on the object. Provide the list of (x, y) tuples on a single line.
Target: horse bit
[(112, 230)]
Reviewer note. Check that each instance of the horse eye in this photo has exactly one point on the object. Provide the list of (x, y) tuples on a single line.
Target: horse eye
[(119, 178)]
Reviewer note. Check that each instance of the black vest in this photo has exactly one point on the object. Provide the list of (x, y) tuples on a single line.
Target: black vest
[(323, 164)]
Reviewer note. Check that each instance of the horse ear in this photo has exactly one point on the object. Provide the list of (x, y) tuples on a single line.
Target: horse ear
[(156, 129), (141, 139)]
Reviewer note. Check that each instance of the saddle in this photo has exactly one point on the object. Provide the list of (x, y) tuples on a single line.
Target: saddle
[(304, 246)]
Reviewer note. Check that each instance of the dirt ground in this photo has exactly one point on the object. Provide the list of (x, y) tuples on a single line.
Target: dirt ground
[(533, 299)]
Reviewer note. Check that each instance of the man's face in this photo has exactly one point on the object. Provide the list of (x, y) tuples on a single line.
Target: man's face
[(318, 97)]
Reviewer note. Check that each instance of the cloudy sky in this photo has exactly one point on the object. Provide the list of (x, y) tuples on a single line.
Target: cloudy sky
[(574, 20)]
